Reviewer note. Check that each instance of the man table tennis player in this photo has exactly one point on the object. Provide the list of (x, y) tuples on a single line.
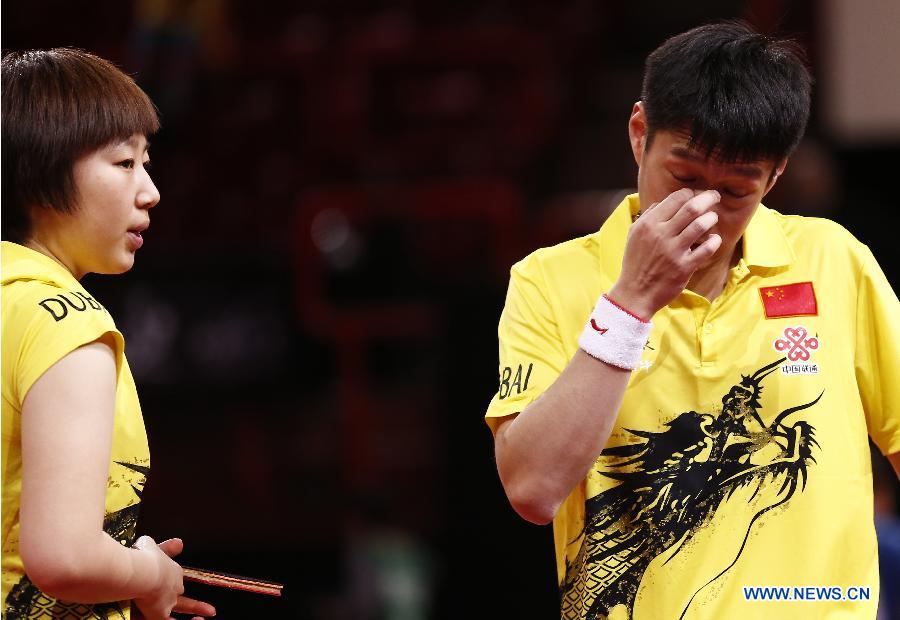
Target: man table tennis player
[(688, 393)]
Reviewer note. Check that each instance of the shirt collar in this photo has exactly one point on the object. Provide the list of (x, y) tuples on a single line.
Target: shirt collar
[(23, 263), (765, 244)]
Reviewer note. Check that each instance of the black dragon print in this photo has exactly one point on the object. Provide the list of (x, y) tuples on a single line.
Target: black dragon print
[(25, 601), (671, 484)]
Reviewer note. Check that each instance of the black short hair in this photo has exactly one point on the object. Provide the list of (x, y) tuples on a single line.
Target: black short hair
[(742, 96), (58, 105)]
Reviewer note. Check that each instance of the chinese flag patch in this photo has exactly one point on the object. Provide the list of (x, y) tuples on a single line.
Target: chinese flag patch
[(789, 300)]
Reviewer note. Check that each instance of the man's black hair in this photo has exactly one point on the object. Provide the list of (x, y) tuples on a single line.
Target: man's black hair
[(741, 95)]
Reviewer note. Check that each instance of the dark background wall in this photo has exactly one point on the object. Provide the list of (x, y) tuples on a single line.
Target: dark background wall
[(312, 322)]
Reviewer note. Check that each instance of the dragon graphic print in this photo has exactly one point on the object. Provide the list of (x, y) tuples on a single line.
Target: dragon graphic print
[(670, 486), (26, 601)]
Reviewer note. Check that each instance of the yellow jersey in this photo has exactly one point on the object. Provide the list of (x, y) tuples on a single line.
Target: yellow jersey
[(46, 315), (739, 460)]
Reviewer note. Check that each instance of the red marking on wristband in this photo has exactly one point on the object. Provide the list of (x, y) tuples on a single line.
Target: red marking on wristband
[(625, 310), (602, 330)]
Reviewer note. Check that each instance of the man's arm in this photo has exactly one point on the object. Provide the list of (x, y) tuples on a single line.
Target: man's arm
[(545, 451), (548, 448)]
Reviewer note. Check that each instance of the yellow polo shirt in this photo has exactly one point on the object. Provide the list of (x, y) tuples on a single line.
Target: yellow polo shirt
[(739, 458), (46, 315)]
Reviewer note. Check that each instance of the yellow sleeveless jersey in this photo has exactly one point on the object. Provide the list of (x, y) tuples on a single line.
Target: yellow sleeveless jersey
[(46, 315), (739, 460)]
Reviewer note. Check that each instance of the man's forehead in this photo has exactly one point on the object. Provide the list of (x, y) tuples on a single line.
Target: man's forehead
[(682, 147)]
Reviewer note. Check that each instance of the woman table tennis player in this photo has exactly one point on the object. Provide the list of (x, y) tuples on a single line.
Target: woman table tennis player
[(76, 199)]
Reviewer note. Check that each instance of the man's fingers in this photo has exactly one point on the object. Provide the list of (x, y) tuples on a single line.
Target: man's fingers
[(705, 250), (664, 211), (172, 547), (692, 209), (696, 229), (644, 211), (187, 605)]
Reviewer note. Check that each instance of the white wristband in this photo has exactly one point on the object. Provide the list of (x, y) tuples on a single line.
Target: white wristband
[(614, 335)]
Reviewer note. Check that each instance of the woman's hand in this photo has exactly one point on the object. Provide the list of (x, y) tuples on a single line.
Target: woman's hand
[(166, 598)]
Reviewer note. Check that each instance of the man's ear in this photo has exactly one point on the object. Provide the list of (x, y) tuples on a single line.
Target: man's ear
[(637, 131), (776, 174)]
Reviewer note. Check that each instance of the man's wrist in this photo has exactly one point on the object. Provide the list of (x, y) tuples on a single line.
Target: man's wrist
[(615, 335), (632, 302)]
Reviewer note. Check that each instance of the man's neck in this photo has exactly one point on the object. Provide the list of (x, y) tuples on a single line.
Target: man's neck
[(710, 280)]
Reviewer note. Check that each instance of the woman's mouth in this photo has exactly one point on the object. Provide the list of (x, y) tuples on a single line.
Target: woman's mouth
[(136, 238)]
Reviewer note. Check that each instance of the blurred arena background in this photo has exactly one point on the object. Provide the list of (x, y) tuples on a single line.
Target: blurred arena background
[(345, 184)]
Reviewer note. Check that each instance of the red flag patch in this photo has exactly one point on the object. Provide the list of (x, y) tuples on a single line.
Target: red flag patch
[(789, 300)]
